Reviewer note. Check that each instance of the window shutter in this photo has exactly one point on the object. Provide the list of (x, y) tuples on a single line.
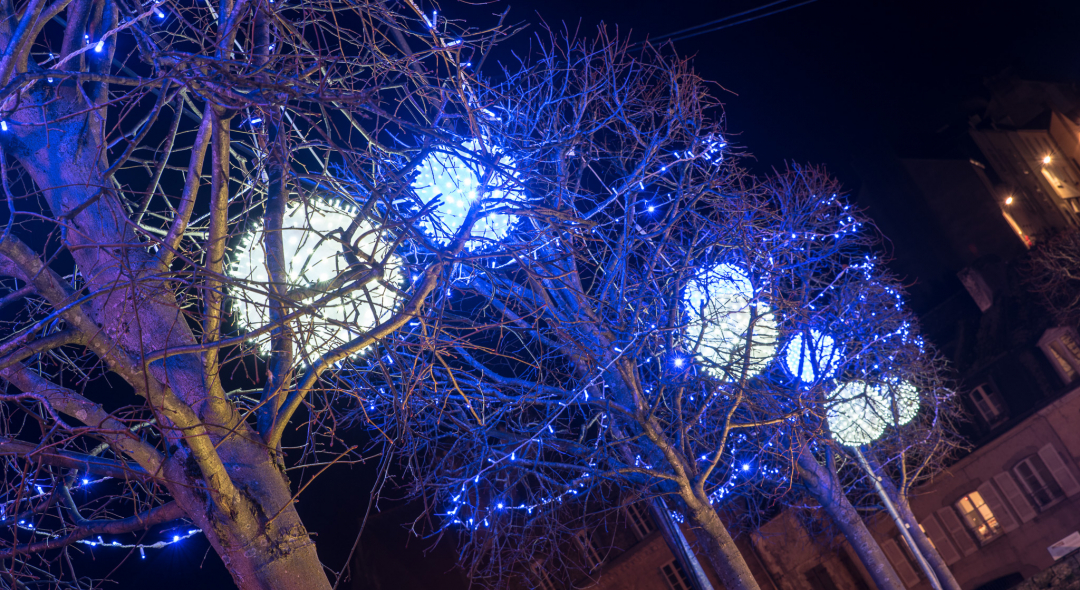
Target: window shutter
[(900, 563), (944, 546), (956, 529), (1015, 497), (1059, 470), (997, 506)]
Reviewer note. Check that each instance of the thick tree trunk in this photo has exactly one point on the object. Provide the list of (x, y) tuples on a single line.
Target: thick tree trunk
[(825, 487), (238, 493), (267, 549), (941, 570), (724, 555)]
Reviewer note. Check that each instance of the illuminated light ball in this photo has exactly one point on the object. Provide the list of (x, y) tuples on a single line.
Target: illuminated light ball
[(857, 413), (805, 360), (720, 302), (313, 255), (460, 183), (905, 396)]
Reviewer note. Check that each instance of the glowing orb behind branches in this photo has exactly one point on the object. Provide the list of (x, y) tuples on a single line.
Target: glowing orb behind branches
[(313, 260), (723, 312), (811, 359), (462, 182), (905, 397), (859, 412)]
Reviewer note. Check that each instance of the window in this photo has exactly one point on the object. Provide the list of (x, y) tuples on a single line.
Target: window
[(900, 562), (1038, 482), (1060, 346), (543, 578), (819, 579), (988, 404), (589, 551), (978, 517), (640, 519), (675, 576)]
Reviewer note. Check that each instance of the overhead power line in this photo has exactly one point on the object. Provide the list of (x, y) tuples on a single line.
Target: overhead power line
[(729, 21)]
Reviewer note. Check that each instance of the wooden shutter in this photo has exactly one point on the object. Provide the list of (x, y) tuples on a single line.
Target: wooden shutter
[(900, 563), (1059, 470), (944, 546), (1016, 498), (997, 506), (957, 530)]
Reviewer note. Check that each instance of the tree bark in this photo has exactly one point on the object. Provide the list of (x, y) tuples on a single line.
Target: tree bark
[(826, 488), (724, 554), (236, 490), (941, 570)]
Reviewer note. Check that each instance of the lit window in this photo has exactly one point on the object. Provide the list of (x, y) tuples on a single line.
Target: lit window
[(638, 515), (988, 404), (1059, 345), (675, 576), (1061, 188), (1039, 483), (978, 517)]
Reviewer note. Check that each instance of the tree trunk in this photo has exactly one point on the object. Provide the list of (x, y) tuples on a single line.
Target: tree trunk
[(825, 487), (941, 570), (237, 493), (724, 555), (268, 548)]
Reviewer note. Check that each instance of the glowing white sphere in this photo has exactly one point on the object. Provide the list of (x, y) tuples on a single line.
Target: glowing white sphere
[(460, 183), (859, 412), (905, 397), (314, 255), (720, 302), (811, 359)]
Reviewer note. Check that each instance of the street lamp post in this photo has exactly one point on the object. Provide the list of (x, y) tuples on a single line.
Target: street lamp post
[(858, 417)]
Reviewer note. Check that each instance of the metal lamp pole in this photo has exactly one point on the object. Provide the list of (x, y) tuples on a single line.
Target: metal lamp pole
[(900, 524)]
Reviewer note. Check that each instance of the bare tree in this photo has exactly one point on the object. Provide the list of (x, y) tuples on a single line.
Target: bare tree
[(140, 141), (1053, 273), (624, 337)]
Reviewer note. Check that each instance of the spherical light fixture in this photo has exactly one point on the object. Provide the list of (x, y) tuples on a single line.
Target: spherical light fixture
[(722, 310), (905, 399), (811, 359), (462, 182), (859, 412), (314, 255), (856, 413)]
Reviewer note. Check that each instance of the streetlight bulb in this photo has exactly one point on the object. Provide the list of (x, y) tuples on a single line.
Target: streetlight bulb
[(859, 412), (314, 253), (813, 360), (460, 182), (1047, 159), (722, 308), (1008, 200)]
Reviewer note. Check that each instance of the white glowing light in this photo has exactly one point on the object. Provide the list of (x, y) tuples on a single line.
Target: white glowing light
[(722, 307), (313, 255), (1047, 159), (859, 412), (813, 360), (905, 397), (459, 184)]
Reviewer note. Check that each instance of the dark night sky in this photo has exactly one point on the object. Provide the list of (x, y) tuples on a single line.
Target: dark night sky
[(821, 83), (816, 83)]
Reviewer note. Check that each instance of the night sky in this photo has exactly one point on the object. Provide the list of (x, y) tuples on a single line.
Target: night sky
[(820, 83)]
